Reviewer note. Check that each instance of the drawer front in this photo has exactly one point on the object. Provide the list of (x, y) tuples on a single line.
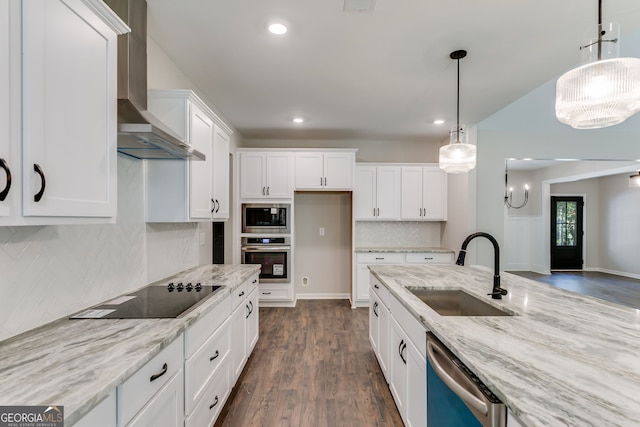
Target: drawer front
[(102, 415), (213, 399), (200, 331), (274, 293), (252, 283), (204, 364), (380, 258), (415, 330), (238, 295), (166, 408), (430, 258), (140, 388), (379, 289)]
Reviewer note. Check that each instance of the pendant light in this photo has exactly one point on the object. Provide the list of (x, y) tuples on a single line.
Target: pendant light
[(605, 91), (458, 156)]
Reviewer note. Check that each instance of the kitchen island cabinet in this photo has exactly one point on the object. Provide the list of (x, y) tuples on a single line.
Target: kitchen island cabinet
[(59, 132), (555, 361), (88, 359)]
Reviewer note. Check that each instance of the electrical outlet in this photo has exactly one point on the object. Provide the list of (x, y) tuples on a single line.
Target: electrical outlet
[(322, 231), (305, 281)]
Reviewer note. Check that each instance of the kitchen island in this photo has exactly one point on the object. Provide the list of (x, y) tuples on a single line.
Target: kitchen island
[(77, 363), (563, 359)]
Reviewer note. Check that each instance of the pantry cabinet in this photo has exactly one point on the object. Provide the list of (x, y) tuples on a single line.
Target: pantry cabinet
[(180, 190), (424, 193), (266, 175), (59, 113), (377, 192), (324, 170)]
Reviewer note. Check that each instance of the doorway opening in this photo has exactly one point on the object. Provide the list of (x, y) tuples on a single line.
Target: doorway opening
[(567, 232)]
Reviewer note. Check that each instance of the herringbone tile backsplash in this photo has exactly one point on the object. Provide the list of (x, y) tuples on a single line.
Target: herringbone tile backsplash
[(394, 234), (48, 272)]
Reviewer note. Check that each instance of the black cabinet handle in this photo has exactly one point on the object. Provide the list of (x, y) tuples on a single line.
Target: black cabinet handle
[(217, 206), (400, 348), (215, 356), (7, 187), (241, 294), (267, 191), (156, 376), (325, 181), (213, 206), (215, 402), (403, 347), (39, 171), (263, 191), (250, 309), (255, 281), (320, 181), (376, 286), (379, 258), (375, 306)]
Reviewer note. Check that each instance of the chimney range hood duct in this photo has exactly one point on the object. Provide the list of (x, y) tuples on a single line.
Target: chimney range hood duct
[(140, 134)]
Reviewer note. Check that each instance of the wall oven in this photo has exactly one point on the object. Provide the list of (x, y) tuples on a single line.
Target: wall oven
[(273, 253), (266, 218)]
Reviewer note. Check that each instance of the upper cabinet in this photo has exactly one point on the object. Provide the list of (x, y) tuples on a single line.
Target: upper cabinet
[(59, 134), (377, 192), (326, 170), (424, 193), (266, 175), (182, 190)]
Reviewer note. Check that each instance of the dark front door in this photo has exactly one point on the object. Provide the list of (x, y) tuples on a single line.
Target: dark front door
[(566, 233)]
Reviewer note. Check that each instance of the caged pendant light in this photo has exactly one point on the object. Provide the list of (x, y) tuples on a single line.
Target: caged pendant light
[(603, 92), (458, 156)]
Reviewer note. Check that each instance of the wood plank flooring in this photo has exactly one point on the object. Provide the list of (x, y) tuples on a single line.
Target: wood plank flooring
[(313, 366)]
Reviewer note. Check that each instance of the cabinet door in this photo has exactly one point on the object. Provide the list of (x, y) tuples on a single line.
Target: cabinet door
[(388, 192), (166, 408), (252, 321), (279, 175), (201, 138), (102, 415), (411, 193), (69, 111), (362, 282), (309, 171), (374, 328), (434, 194), (416, 387), (364, 194), (8, 163), (220, 190), (398, 366), (338, 171), (253, 172), (383, 338), (238, 341)]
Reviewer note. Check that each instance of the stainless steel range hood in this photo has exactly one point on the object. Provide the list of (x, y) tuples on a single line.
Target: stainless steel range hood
[(140, 134)]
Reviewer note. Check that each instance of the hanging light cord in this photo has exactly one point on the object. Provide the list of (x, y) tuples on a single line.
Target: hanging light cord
[(458, 105), (600, 32)]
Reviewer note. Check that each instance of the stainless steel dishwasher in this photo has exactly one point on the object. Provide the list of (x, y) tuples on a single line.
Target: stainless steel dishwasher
[(455, 396)]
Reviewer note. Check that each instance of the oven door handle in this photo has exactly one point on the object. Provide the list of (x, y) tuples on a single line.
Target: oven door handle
[(265, 248)]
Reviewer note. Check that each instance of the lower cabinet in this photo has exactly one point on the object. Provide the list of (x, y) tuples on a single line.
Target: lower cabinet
[(401, 351), (102, 415), (244, 326), (166, 407)]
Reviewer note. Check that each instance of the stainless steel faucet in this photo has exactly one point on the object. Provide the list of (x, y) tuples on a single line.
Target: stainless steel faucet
[(497, 291)]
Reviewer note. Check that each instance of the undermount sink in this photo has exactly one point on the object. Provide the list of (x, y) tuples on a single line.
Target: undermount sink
[(455, 303)]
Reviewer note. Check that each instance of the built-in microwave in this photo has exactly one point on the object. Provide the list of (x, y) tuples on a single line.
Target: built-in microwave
[(266, 218)]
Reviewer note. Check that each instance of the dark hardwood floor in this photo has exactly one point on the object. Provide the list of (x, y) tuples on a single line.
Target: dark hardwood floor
[(617, 289), (313, 366)]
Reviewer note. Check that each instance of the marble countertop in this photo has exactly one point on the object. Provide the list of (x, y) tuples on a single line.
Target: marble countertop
[(403, 249), (76, 363), (563, 360)]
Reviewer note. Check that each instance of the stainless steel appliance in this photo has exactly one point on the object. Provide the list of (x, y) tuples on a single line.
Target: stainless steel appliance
[(173, 300), (266, 218), (455, 396), (273, 253)]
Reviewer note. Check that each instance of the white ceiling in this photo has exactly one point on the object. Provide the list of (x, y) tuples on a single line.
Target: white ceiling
[(380, 75)]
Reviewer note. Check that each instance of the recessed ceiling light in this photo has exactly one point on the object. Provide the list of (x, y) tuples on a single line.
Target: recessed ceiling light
[(298, 120), (438, 122), (277, 29)]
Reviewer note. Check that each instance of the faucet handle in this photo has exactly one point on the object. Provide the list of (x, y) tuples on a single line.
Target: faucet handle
[(498, 293)]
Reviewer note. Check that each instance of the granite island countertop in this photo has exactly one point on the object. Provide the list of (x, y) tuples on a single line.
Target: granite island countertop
[(563, 360), (409, 249), (77, 363)]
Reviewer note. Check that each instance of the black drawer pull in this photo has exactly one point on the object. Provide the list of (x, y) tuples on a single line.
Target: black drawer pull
[(215, 356), (266, 293), (375, 307), (380, 258), (241, 294), (156, 376), (376, 286), (38, 169), (7, 186), (215, 402)]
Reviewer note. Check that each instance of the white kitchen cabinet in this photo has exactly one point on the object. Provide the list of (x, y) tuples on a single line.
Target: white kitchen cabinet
[(360, 293), (416, 409), (244, 325), (266, 175), (424, 193), (220, 186), (512, 421), (59, 112), (154, 396), (272, 292), (379, 325), (429, 258), (252, 319), (377, 192), (180, 190), (102, 415), (215, 395), (326, 170), (398, 366)]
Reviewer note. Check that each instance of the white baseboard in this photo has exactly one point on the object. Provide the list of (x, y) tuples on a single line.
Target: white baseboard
[(324, 296), (536, 268), (617, 273), (289, 304), (517, 267)]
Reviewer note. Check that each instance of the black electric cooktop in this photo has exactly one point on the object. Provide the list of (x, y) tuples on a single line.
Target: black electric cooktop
[(151, 302)]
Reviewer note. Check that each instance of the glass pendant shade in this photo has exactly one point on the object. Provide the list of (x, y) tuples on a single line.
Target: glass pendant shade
[(457, 156), (603, 92)]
